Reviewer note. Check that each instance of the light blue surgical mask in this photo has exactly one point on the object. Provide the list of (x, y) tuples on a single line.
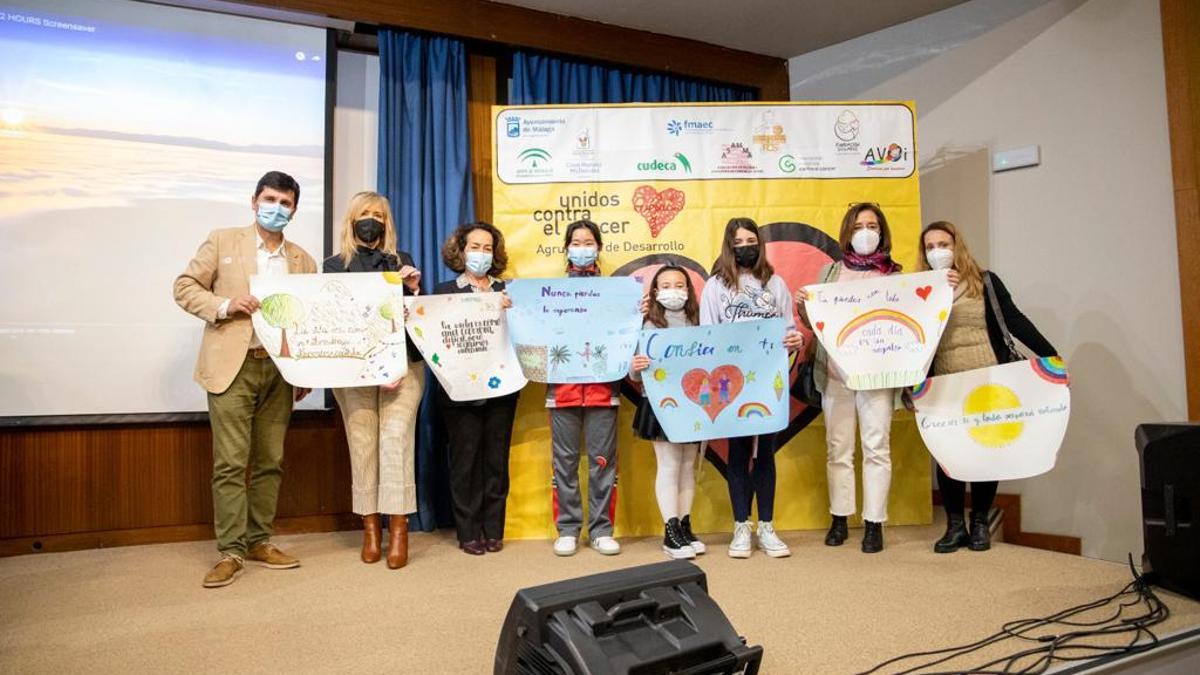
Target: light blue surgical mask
[(479, 262), (581, 256), (273, 217)]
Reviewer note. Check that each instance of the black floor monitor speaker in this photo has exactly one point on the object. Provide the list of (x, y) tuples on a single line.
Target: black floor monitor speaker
[(1170, 459), (649, 619)]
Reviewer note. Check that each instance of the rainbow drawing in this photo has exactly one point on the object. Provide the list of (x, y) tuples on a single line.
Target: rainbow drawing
[(920, 390), (882, 315), (1051, 369), (753, 410), (668, 402)]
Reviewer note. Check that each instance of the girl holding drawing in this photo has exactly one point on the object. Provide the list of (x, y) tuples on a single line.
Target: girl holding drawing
[(744, 287), (976, 336), (866, 244), (673, 304), (380, 421), (477, 432), (584, 413)]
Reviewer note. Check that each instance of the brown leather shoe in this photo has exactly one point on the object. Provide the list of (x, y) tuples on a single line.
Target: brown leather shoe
[(265, 554), (397, 555), (225, 572), (372, 548), (493, 545), (474, 547)]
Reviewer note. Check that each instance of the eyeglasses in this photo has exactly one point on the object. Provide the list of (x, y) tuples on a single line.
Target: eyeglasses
[(854, 204)]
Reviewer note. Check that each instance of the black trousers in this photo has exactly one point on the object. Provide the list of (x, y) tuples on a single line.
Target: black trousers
[(478, 439), (954, 494), (745, 485)]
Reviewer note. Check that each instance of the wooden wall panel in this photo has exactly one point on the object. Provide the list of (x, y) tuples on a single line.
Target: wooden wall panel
[(72, 487), (1181, 56), (520, 27), (481, 96)]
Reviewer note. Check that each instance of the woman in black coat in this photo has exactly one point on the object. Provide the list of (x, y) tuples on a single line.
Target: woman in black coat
[(478, 432)]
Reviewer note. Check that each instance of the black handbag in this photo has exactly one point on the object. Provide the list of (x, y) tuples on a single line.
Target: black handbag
[(1010, 345)]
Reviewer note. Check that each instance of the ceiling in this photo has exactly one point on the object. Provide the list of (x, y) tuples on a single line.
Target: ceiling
[(780, 28)]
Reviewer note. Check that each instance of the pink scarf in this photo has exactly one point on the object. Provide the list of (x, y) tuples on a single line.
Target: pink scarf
[(879, 261)]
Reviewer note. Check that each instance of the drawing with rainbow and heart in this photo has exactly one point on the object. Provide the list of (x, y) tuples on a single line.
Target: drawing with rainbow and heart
[(720, 381), (881, 332)]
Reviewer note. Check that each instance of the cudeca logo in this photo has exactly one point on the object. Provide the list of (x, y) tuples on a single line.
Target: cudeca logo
[(680, 161), (889, 155), (513, 125), (677, 127)]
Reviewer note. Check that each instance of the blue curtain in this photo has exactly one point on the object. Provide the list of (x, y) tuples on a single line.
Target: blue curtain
[(425, 172), (542, 80)]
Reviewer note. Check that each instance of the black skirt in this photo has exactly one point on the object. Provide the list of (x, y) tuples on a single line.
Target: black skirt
[(645, 424)]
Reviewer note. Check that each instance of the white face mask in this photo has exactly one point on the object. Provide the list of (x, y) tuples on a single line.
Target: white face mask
[(672, 298), (865, 241), (940, 258)]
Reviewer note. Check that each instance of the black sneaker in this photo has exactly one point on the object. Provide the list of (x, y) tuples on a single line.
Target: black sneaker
[(697, 545), (838, 532), (955, 537), (675, 544)]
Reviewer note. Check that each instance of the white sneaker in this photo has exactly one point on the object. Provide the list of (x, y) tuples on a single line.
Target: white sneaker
[(565, 546), (770, 543), (606, 545), (740, 546)]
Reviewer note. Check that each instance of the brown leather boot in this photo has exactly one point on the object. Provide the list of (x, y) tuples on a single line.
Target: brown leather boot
[(397, 556), (372, 538)]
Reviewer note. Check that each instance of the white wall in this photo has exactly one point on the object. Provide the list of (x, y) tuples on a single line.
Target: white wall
[(1085, 241), (355, 132)]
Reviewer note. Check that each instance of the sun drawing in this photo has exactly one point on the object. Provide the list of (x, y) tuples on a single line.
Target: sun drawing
[(993, 398)]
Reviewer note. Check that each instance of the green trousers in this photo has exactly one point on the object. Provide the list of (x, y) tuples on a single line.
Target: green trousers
[(249, 421)]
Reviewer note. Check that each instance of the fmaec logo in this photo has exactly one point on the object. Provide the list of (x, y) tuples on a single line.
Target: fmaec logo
[(513, 126), (677, 127)]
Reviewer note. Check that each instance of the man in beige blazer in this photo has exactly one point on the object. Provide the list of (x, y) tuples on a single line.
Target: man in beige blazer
[(249, 403)]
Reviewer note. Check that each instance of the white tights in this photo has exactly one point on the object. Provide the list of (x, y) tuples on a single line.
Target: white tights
[(675, 482)]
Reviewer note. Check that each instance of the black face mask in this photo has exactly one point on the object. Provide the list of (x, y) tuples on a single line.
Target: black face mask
[(368, 230), (746, 256)]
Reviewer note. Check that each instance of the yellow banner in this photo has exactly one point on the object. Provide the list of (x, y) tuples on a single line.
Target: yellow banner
[(662, 181)]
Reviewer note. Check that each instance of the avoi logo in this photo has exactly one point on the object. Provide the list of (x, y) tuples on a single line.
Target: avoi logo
[(676, 163), (533, 157)]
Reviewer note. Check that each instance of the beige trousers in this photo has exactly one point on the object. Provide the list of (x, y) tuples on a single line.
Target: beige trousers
[(871, 413), (381, 433)]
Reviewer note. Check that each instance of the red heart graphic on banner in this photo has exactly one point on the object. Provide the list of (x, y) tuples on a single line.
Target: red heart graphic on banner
[(713, 390), (820, 325), (658, 208), (924, 292)]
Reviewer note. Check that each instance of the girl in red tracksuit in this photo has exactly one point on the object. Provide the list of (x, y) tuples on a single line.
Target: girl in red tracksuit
[(587, 414)]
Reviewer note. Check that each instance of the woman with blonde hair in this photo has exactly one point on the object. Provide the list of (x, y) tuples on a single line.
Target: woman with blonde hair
[(978, 334), (380, 421)]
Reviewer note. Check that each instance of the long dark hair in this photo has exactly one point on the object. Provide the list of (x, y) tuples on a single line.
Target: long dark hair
[(726, 266), (592, 227), (657, 314)]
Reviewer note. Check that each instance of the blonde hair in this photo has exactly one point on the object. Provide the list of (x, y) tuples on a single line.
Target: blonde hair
[(358, 203), (970, 275)]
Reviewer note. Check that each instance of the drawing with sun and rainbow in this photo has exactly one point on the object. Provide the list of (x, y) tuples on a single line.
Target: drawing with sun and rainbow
[(999, 423), (882, 332), (706, 380)]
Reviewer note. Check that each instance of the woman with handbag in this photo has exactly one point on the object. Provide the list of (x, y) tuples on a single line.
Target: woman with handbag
[(978, 334)]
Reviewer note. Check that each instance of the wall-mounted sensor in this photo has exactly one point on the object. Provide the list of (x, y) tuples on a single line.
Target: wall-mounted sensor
[(1017, 158)]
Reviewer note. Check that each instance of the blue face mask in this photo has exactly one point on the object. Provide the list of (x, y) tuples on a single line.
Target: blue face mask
[(273, 217), (581, 256), (479, 262)]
